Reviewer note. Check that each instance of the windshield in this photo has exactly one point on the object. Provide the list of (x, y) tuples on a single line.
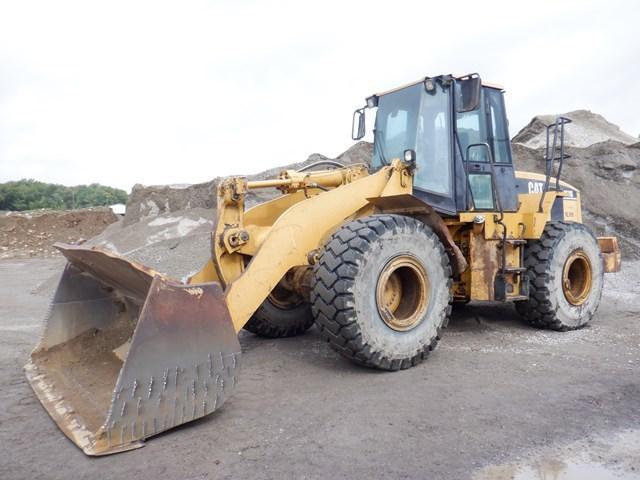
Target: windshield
[(415, 119), (395, 129)]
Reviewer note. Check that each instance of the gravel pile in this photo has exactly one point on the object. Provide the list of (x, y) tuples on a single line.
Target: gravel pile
[(587, 129), (168, 227), (604, 165), (33, 233)]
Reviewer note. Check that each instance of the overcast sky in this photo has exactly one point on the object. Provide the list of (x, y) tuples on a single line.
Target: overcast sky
[(124, 92)]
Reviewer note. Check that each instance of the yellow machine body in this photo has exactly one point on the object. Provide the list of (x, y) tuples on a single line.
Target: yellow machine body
[(292, 228)]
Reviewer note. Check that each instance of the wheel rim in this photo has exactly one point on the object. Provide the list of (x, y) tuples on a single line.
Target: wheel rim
[(402, 293), (577, 278)]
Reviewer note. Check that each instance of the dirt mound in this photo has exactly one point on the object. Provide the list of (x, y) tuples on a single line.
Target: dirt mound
[(32, 234), (176, 243), (588, 128), (149, 201), (168, 227), (607, 175)]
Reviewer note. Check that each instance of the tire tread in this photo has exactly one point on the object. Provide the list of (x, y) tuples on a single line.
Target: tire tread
[(332, 303), (538, 311)]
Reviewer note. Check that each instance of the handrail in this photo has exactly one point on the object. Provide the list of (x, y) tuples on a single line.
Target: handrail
[(550, 155)]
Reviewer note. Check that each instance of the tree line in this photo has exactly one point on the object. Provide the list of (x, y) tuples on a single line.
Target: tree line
[(31, 195)]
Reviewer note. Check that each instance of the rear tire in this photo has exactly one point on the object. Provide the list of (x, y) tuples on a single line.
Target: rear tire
[(565, 276), (381, 294), (281, 316)]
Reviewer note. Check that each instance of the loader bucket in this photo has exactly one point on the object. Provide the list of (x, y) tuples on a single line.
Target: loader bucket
[(127, 353)]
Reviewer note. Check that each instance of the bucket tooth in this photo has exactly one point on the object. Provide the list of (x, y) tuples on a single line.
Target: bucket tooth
[(127, 353)]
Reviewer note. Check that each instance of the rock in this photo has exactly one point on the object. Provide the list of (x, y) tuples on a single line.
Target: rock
[(612, 157)]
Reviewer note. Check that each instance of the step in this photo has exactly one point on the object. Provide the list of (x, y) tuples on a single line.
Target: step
[(516, 298), (514, 270)]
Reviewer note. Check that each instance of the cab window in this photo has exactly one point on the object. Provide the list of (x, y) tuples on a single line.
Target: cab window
[(499, 128), (471, 130)]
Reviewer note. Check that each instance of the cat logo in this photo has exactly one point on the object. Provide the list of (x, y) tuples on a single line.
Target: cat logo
[(535, 187), (538, 187)]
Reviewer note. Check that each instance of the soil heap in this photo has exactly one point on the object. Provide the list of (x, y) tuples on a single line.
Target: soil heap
[(603, 166), (33, 233)]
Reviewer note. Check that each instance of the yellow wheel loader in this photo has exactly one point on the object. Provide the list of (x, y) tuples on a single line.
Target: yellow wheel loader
[(373, 255)]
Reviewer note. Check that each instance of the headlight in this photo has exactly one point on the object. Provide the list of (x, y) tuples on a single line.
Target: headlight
[(429, 84), (410, 156)]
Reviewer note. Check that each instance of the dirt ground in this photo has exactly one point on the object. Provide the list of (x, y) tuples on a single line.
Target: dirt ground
[(497, 400), (33, 233)]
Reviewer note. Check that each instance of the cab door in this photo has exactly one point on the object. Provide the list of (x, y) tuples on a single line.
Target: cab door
[(504, 171), (483, 137), (433, 177)]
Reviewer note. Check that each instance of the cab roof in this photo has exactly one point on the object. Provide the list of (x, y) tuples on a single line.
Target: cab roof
[(456, 76)]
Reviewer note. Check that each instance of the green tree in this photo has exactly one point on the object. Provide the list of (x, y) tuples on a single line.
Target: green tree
[(28, 194)]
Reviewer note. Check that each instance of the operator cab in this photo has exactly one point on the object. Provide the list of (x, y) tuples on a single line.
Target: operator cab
[(457, 131)]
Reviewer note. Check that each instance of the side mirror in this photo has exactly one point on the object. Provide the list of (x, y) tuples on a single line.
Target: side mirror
[(469, 94), (358, 127)]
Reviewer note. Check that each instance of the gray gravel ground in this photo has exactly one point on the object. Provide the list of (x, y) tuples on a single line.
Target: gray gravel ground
[(494, 398)]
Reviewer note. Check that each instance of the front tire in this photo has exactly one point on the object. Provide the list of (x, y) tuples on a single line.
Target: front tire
[(565, 274), (282, 314), (382, 291)]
